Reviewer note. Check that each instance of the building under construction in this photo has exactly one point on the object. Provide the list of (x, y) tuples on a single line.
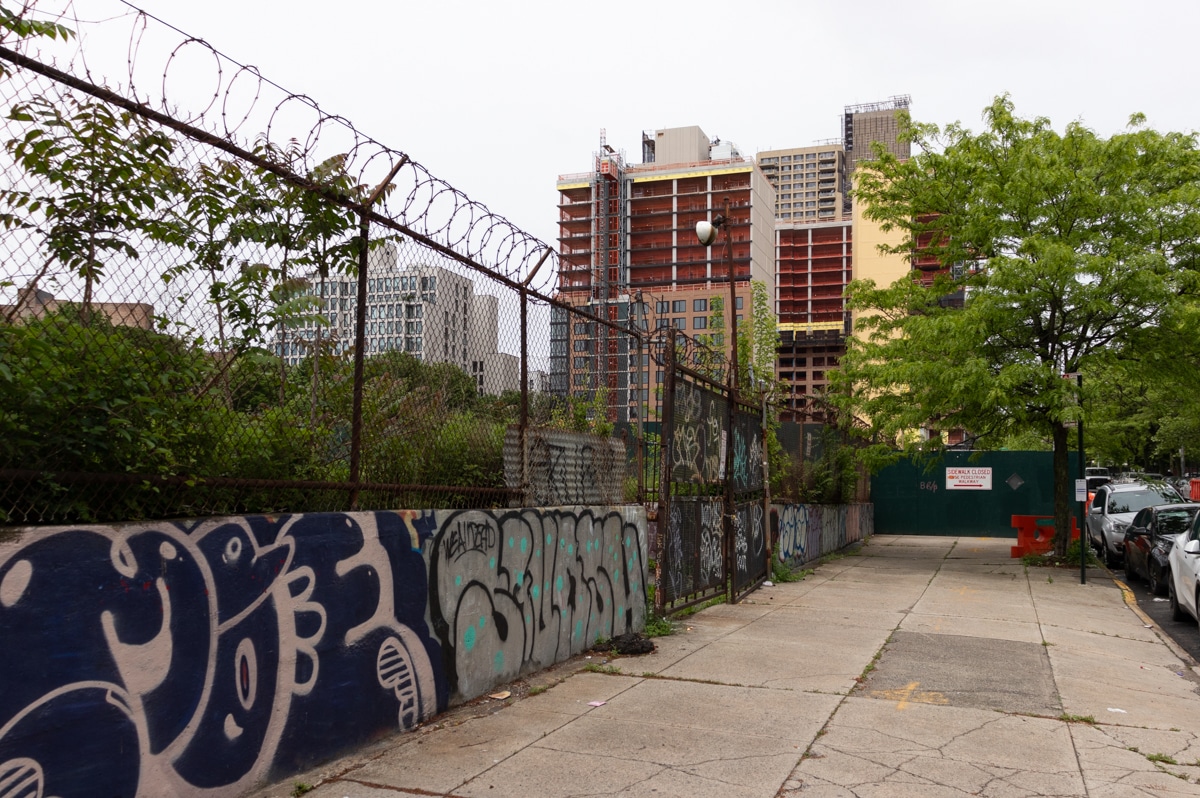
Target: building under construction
[(628, 253)]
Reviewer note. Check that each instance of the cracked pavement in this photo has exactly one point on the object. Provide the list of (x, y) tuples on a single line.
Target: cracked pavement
[(922, 666)]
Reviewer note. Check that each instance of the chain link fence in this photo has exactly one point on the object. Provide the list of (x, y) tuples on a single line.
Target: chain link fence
[(241, 304)]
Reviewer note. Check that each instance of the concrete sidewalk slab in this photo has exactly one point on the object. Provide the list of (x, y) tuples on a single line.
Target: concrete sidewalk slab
[(1017, 631), (873, 748), (965, 671), (921, 666)]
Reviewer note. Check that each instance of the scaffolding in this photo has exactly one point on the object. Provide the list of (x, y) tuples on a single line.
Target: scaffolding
[(609, 273)]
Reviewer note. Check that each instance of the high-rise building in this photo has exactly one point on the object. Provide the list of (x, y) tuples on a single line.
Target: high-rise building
[(815, 262), (868, 124), (425, 310), (809, 181), (628, 250), (816, 247)]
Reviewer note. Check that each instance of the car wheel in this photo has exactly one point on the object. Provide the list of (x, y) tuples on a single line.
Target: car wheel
[(1130, 572), (1177, 613), (1106, 556), (1155, 580)]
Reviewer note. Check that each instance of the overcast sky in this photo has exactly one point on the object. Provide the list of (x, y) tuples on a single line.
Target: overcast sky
[(498, 99)]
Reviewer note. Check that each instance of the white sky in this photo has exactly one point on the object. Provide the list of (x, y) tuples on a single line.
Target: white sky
[(498, 99)]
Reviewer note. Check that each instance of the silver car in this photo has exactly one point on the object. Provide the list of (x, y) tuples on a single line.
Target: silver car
[(1183, 585), (1114, 506)]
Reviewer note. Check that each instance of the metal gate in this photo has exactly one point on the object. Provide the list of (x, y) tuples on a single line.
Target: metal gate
[(712, 513)]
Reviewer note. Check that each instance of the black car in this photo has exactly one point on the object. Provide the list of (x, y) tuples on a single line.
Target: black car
[(1148, 541)]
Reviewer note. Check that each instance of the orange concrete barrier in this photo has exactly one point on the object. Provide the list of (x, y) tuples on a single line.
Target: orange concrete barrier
[(1035, 533)]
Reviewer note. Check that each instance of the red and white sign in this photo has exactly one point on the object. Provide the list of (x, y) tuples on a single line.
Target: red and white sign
[(968, 479)]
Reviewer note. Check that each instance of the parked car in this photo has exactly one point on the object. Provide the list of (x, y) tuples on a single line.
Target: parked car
[(1114, 506), (1148, 542), (1184, 581), (1094, 482)]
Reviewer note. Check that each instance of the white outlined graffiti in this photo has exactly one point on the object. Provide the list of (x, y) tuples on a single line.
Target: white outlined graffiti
[(534, 587), (805, 532), (188, 658)]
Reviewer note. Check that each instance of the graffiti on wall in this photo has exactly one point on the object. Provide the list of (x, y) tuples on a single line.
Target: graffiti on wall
[(749, 543), (207, 657), (696, 443), (566, 468), (693, 556), (185, 657), (517, 591), (747, 452), (807, 531)]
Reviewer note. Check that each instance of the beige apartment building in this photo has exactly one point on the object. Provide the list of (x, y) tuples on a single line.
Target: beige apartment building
[(809, 181)]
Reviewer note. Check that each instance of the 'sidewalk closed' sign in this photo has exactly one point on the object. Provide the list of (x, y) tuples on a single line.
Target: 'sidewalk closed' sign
[(968, 478)]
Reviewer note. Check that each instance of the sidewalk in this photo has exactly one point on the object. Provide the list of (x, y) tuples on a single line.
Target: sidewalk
[(918, 666)]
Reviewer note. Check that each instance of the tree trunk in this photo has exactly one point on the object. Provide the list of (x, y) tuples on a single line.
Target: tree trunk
[(1062, 491)]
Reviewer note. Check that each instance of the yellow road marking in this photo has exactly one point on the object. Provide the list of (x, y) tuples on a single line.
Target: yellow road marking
[(910, 695)]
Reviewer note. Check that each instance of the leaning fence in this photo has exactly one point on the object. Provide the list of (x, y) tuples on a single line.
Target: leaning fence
[(243, 305), (247, 305)]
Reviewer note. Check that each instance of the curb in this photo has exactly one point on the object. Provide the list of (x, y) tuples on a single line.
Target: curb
[(1131, 603)]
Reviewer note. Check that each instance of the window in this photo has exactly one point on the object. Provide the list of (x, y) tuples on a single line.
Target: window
[(661, 324), (662, 307), (699, 322), (582, 346), (739, 303), (699, 305), (581, 328), (679, 306), (580, 362), (679, 324)]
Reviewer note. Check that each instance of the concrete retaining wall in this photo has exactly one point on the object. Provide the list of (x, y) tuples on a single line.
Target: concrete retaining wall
[(805, 532), (205, 657)]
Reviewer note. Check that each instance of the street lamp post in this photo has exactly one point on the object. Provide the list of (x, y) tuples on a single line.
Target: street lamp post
[(706, 233)]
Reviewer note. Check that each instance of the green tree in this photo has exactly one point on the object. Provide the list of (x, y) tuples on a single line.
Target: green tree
[(758, 342), (16, 25), (1059, 247), (97, 180)]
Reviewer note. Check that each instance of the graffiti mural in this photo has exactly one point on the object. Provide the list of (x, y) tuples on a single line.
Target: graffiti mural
[(747, 452), (565, 468), (693, 558), (516, 591), (696, 445), (205, 657), (805, 532)]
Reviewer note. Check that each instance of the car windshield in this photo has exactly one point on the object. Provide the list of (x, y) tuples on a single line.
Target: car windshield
[(1172, 522), (1130, 501)]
